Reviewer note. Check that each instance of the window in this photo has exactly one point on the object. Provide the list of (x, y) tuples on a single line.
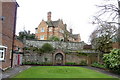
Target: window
[(42, 37), (2, 18), (50, 29), (36, 31), (42, 30), (2, 53), (61, 31)]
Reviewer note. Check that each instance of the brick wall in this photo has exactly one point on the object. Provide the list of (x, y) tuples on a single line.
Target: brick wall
[(48, 31), (39, 33), (54, 28), (8, 30), (116, 45), (18, 44)]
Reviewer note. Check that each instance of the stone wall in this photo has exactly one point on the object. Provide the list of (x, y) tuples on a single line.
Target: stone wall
[(74, 58), (69, 58), (34, 57), (56, 44)]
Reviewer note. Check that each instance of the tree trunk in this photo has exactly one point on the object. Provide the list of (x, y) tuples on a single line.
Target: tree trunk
[(118, 37)]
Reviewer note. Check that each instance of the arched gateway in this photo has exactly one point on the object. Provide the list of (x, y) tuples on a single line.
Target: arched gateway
[(58, 58)]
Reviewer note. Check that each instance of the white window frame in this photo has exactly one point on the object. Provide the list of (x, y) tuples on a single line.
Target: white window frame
[(42, 30), (42, 37), (2, 51)]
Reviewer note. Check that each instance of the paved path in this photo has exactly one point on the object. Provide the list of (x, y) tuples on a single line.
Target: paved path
[(12, 71), (102, 71)]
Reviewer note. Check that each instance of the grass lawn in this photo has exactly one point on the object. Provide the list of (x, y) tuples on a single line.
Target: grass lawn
[(60, 72)]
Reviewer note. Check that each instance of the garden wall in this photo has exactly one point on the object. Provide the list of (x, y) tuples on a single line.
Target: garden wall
[(56, 44), (69, 58), (34, 57)]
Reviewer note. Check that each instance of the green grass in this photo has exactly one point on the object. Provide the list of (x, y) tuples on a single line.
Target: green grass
[(60, 72)]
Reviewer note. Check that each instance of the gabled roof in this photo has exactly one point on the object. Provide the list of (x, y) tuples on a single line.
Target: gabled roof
[(53, 23), (75, 36)]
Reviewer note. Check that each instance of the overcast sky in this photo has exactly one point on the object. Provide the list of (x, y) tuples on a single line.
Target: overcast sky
[(75, 13)]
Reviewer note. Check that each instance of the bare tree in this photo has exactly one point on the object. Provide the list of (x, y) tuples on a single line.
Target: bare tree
[(112, 10), (103, 35)]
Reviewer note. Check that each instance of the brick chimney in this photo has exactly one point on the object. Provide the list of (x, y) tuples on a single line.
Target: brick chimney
[(70, 31), (49, 16)]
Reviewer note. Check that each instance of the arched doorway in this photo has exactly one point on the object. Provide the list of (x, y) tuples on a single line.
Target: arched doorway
[(59, 59)]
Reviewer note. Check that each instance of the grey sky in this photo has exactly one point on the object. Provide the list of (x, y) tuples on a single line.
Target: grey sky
[(75, 13)]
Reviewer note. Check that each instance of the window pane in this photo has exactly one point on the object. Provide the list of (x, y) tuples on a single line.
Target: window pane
[(2, 52), (2, 55), (42, 30), (42, 37), (1, 48)]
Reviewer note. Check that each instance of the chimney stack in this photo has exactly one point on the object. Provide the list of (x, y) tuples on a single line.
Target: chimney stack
[(49, 16), (70, 31)]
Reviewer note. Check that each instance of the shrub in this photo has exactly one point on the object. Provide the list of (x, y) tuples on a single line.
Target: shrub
[(37, 63), (112, 60), (83, 63), (70, 63), (98, 65), (54, 38), (47, 48)]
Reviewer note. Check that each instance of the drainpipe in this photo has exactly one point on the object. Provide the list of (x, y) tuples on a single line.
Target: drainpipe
[(16, 5)]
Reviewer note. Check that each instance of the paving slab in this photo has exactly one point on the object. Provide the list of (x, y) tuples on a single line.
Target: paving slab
[(13, 71)]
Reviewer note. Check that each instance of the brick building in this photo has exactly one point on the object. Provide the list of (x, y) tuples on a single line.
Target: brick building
[(8, 12), (49, 28)]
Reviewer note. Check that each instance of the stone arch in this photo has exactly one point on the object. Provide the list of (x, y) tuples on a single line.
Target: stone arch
[(59, 58)]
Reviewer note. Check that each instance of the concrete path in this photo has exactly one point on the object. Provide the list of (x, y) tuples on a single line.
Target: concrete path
[(12, 71)]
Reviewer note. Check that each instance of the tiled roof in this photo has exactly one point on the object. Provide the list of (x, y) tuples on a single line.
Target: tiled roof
[(53, 23), (75, 36)]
